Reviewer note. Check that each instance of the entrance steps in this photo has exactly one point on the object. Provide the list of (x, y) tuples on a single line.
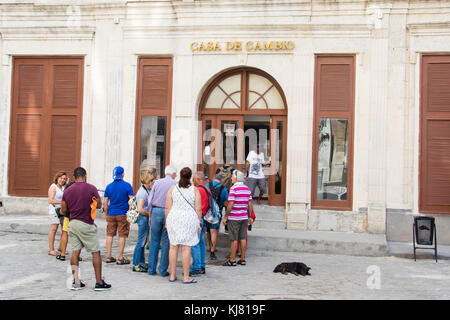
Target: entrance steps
[(269, 217), (324, 242), (259, 239)]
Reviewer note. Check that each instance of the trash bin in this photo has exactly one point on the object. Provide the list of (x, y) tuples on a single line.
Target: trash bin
[(424, 233)]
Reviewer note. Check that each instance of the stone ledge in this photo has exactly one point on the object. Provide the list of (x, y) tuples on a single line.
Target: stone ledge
[(324, 242)]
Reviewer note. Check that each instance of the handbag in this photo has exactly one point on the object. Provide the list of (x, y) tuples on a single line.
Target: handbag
[(132, 213), (53, 211)]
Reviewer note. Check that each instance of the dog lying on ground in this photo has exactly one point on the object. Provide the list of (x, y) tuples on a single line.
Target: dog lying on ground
[(293, 267)]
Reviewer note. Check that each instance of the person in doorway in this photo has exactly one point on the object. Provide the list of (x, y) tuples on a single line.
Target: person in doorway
[(115, 206), (147, 179), (55, 194), (158, 231), (183, 219), (82, 230), (238, 216), (220, 194), (255, 175)]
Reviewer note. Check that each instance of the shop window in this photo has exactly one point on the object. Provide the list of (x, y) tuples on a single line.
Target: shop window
[(333, 133), (153, 116)]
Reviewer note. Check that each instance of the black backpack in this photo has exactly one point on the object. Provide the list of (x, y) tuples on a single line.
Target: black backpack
[(216, 192)]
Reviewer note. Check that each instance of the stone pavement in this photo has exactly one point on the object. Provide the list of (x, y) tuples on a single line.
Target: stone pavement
[(27, 272)]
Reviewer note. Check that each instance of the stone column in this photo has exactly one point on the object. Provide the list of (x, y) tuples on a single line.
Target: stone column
[(300, 120), (378, 107)]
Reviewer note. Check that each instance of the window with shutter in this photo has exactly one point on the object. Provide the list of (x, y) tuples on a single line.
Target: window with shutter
[(45, 122), (434, 188), (153, 115), (332, 167)]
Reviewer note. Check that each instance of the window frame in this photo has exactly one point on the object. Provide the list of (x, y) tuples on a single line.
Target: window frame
[(320, 59), (145, 112)]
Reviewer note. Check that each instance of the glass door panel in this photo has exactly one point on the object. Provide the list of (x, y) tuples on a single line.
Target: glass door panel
[(153, 144), (277, 171), (232, 142)]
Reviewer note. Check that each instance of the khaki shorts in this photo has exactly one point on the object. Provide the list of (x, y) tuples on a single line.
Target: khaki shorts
[(115, 223), (237, 229), (83, 235)]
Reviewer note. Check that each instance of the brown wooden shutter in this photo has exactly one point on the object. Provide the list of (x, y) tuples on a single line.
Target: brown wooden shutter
[(155, 85), (434, 159), (45, 122), (334, 96), (153, 98)]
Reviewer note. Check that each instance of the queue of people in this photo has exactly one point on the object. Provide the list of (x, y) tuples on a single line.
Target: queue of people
[(170, 218)]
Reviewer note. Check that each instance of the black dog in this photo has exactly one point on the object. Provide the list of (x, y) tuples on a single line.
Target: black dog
[(293, 267)]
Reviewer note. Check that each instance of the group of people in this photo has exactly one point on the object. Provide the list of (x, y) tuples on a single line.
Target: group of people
[(170, 216)]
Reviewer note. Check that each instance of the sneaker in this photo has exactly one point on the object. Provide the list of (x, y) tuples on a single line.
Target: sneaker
[(195, 273), (203, 270), (102, 286), (77, 286), (212, 256)]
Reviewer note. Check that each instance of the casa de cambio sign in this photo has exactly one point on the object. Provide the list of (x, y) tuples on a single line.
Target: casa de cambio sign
[(240, 46)]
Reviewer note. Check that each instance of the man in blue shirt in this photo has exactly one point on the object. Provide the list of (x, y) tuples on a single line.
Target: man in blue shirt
[(220, 194), (115, 206)]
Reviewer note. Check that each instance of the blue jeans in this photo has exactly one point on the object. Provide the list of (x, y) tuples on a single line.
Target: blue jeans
[(198, 251), (158, 233), (139, 250)]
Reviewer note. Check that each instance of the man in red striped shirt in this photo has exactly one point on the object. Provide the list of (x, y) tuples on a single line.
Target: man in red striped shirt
[(238, 216)]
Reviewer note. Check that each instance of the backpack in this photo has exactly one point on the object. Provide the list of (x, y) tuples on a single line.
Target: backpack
[(216, 192), (225, 174), (212, 215)]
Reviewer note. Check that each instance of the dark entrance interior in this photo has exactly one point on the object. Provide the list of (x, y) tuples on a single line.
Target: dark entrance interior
[(258, 127)]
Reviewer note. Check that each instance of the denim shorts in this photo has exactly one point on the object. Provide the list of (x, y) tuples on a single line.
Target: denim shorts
[(215, 226)]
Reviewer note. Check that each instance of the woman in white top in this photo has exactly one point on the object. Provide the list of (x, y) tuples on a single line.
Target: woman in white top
[(183, 221), (55, 194)]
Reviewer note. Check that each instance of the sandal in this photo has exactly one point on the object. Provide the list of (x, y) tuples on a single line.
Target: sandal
[(110, 260), (242, 262), (192, 281), (61, 257), (123, 261), (52, 253), (230, 263)]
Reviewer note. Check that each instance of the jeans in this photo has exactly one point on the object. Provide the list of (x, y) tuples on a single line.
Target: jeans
[(198, 251), (139, 250), (158, 233)]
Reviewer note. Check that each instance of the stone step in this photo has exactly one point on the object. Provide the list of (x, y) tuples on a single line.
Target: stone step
[(405, 250), (264, 215), (269, 224), (325, 242)]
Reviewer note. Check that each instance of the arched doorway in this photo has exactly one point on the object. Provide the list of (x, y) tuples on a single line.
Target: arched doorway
[(238, 110)]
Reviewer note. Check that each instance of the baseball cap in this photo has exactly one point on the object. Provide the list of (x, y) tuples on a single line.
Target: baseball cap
[(117, 173)]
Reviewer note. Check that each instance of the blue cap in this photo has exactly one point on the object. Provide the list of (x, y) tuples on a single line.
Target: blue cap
[(117, 173)]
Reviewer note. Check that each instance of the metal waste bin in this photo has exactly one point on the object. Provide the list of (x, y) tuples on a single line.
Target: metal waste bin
[(424, 233)]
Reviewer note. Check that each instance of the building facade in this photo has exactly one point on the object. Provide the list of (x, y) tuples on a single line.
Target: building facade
[(349, 99)]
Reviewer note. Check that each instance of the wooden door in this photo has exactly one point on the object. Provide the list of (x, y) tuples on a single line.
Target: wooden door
[(277, 157)]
